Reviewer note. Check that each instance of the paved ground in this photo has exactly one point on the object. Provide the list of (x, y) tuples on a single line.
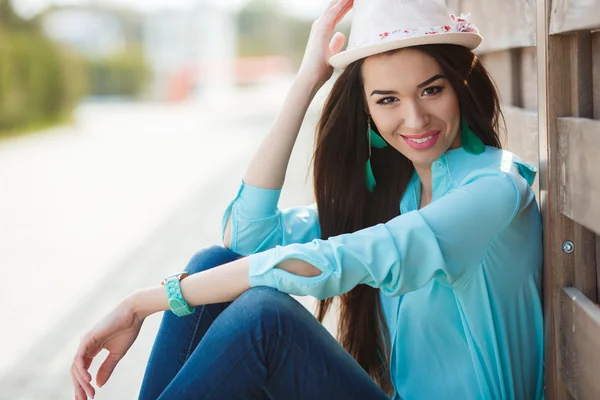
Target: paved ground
[(91, 212)]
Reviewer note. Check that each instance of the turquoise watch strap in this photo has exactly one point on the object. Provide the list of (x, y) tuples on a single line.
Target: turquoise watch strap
[(176, 301)]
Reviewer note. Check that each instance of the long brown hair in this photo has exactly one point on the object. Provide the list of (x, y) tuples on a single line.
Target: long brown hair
[(346, 206)]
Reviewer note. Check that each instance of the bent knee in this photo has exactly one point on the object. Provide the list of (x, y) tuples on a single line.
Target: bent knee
[(210, 257), (263, 302)]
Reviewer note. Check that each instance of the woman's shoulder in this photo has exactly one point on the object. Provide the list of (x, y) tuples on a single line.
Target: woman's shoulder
[(464, 167)]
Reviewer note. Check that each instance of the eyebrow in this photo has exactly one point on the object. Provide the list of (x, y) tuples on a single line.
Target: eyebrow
[(419, 86)]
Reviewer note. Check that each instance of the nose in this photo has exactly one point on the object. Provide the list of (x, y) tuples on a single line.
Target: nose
[(415, 117)]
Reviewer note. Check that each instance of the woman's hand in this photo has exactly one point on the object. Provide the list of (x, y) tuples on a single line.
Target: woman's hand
[(315, 66), (115, 333)]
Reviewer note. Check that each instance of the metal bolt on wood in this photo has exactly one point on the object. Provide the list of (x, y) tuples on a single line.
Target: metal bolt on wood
[(568, 247)]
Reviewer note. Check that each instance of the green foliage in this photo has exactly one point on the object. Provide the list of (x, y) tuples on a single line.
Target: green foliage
[(264, 30), (122, 74), (40, 83)]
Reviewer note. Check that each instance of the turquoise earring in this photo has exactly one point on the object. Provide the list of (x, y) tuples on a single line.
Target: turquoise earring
[(470, 141), (374, 141)]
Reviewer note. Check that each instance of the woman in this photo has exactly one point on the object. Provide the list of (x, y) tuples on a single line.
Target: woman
[(425, 227)]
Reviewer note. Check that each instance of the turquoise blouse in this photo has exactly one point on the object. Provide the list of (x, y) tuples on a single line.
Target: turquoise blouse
[(459, 279)]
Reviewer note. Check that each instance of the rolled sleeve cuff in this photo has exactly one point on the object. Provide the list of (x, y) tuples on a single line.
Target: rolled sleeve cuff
[(250, 202), (255, 202), (263, 271)]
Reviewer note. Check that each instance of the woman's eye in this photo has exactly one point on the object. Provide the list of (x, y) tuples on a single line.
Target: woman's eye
[(387, 100), (430, 91)]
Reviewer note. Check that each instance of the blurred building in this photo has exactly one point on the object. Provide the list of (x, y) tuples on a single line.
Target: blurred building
[(93, 32), (191, 51)]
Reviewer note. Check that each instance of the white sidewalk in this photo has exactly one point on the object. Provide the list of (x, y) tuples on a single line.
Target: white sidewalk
[(92, 212)]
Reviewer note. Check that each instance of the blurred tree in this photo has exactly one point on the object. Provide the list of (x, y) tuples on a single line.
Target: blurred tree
[(119, 69), (122, 74), (9, 19), (40, 83), (264, 30)]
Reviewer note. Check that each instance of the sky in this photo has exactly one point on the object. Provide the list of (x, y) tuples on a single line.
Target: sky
[(303, 8)]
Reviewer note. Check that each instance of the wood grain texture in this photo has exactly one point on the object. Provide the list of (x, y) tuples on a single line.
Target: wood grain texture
[(582, 106), (559, 267), (579, 163), (500, 66), (529, 78), (503, 24), (522, 137), (597, 268), (585, 262), (553, 386), (580, 344), (581, 75), (596, 73), (574, 15)]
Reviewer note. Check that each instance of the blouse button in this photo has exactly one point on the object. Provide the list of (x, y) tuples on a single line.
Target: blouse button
[(438, 164)]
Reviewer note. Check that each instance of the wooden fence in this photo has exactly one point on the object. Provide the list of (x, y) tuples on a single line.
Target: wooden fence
[(545, 58)]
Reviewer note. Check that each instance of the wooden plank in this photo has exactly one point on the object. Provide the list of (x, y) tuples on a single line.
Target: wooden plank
[(585, 262), (597, 267), (596, 73), (522, 137), (582, 106), (581, 75), (503, 24), (596, 101), (555, 99), (578, 164), (552, 385), (574, 15), (500, 66), (529, 78), (580, 344)]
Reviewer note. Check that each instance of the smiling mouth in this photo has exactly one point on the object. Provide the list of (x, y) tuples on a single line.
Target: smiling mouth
[(423, 140)]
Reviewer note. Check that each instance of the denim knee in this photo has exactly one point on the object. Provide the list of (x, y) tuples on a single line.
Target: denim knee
[(210, 257), (263, 304)]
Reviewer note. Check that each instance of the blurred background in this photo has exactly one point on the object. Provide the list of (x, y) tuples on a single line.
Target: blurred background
[(125, 128)]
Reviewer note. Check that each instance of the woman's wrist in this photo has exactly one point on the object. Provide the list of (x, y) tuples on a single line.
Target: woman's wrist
[(145, 302), (307, 82)]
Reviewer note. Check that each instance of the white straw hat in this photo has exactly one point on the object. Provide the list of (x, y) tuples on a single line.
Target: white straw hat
[(382, 25)]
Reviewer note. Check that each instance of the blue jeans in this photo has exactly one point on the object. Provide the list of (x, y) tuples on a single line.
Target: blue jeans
[(264, 345)]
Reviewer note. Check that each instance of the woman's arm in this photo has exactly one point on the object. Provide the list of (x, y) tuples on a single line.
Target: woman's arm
[(118, 330), (269, 165), (216, 285), (445, 240)]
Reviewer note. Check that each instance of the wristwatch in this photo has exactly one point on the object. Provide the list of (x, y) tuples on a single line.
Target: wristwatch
[(176, 301)]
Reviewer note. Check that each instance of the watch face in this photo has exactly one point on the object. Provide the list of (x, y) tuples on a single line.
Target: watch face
[(175, 304)]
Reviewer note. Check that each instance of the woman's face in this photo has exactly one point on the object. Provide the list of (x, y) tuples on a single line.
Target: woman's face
[(412, 104)]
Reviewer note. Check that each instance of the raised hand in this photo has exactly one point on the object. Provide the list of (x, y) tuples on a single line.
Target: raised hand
[(315, 67)]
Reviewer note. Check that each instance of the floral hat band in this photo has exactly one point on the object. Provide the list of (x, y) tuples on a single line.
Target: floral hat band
[(383, 25), (460, 24)]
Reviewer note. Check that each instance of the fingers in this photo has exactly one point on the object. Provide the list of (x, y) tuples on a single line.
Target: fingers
[(336, 13), (107, 368), (346, 6), (82, 379), (83, 388), (337, 43), (79, 392)]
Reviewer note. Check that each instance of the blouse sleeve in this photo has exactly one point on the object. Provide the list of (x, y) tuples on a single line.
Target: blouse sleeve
[(445, 240), (257, 224)]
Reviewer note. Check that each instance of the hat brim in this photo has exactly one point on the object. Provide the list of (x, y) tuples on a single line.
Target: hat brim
[(345, 58)]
